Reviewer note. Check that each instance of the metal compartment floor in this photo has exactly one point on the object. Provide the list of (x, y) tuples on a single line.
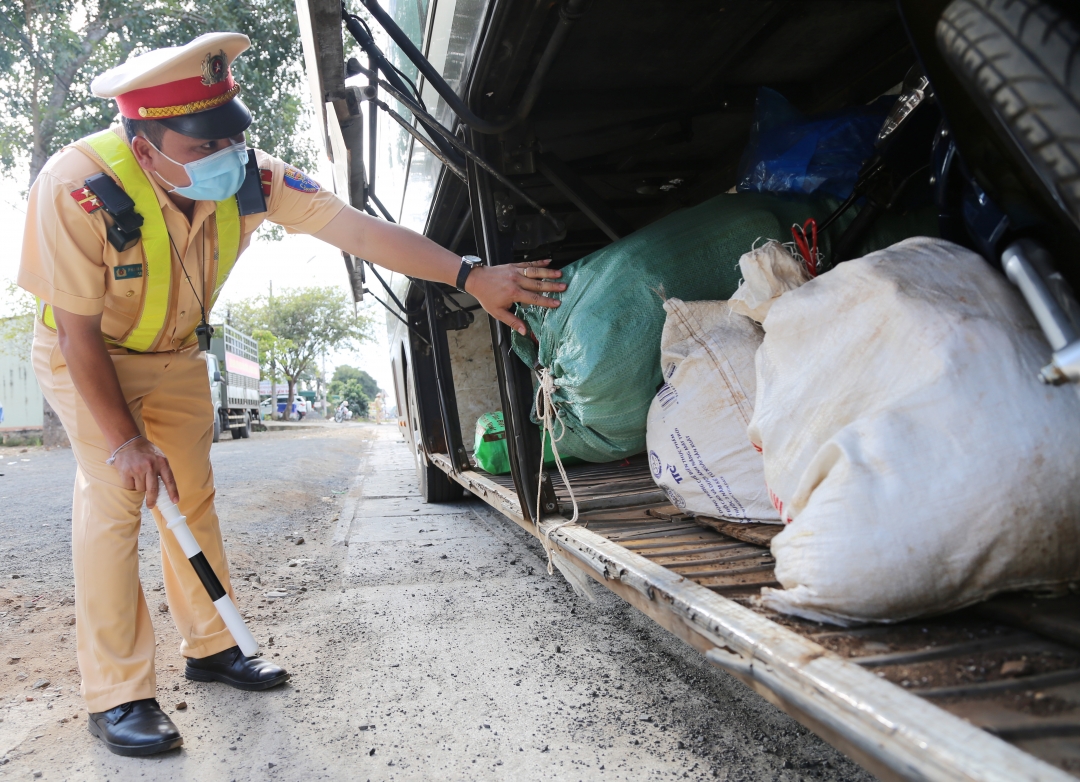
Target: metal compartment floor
[(1010, 666)]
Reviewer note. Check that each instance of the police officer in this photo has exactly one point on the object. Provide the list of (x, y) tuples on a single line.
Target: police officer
[(116, 350)]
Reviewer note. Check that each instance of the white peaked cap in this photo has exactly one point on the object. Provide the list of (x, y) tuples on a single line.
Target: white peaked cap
[(164, 66)]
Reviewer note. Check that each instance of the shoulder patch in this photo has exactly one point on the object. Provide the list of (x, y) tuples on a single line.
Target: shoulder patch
[(298, 180), (266, 176), (86, 199)]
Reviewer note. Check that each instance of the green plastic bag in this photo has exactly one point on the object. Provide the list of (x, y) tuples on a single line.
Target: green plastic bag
[(602, 346), (489, 446)]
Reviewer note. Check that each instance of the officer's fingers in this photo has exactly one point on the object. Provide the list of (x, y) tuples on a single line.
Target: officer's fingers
[(538, 300), (508, 318), (137, 478), (537, 270), (543, 274), (125, 474), (170, 481), (545, 285), (150, 481)]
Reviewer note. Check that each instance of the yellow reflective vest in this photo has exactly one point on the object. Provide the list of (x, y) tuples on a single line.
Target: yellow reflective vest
[(119, 162)]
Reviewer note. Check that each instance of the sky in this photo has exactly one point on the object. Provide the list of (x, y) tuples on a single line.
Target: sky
[(295, 261)]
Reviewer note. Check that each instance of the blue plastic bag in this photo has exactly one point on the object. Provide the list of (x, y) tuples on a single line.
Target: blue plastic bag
[(789, 153)]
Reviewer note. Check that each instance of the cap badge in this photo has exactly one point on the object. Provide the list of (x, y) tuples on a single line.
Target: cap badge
[(215, 68)]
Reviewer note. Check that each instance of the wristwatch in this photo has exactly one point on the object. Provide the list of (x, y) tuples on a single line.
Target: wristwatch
[(468, 263)]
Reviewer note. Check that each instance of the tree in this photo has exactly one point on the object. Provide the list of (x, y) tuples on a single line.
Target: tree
[(358, 400), (344, 373), (301, 324), (270, 346), (52, 49), (17, 323)]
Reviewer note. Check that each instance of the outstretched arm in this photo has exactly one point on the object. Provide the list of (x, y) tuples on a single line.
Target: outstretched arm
[(407, 252)]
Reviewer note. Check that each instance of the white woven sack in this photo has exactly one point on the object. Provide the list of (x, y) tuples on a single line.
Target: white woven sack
[(921, 464), (696, 434), (768, 272)]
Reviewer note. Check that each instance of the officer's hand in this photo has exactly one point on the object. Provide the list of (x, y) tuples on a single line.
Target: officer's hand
[(139, 466), (498, 287)]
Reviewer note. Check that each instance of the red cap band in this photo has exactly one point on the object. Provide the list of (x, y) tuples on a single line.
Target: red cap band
[(177, 98)]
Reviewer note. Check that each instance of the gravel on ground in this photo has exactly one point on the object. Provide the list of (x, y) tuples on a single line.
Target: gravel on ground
[(432, 646)]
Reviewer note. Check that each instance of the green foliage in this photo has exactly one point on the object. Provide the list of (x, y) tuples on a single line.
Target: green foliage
[(298, 325), (344, 373), (269, 347), (358, 400), (17, 323), (50, 50)]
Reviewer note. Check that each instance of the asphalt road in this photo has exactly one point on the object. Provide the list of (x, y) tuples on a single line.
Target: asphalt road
[(433, 646)]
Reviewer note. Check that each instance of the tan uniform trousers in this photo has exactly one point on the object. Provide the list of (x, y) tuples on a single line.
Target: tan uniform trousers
[(169, 396)]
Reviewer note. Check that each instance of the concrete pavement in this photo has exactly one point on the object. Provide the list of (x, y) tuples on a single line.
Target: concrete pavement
[(432, 646)]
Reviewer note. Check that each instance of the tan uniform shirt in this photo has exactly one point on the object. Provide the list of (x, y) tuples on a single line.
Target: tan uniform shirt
[(67, 261)]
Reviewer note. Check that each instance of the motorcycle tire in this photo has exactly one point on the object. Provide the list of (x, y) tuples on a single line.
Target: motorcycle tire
[(1020, 61)]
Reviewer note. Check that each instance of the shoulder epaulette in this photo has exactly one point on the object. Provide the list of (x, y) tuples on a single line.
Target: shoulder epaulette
[(123, 232)]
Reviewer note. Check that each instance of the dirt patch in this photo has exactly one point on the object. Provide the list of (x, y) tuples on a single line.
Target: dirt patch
[(37, 643)]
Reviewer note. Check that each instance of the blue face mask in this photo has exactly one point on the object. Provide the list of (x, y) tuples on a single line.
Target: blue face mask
[(214, 177)]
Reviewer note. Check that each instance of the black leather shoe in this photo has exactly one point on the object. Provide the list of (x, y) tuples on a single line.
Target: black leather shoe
[(236, 670), (135, 728)]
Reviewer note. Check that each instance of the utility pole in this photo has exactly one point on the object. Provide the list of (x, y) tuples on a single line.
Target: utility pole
[(325, 388), (273, 368)]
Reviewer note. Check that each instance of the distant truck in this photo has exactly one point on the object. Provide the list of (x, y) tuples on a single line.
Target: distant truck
[(233, 365)]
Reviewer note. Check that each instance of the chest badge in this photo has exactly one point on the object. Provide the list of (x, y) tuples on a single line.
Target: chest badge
[(296, 179), (127, 272)]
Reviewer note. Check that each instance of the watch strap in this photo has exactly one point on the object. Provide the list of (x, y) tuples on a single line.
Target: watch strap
[(462, 275)]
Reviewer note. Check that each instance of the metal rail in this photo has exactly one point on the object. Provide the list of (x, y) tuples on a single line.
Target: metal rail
[(569, 12), (429, 122)]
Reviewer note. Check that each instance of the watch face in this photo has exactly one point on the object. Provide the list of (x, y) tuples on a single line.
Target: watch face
[(472, 260)]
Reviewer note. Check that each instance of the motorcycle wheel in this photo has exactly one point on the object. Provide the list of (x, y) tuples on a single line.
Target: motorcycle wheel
[(1020, 62)]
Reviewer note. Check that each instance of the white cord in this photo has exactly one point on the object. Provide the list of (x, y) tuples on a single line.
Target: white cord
[(548, 414), (112, 458)]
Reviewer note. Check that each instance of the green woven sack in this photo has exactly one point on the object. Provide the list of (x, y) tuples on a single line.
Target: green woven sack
[(602, 346), (489, 446)]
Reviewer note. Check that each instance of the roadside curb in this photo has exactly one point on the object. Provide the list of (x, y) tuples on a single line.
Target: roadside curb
[(351, 500)]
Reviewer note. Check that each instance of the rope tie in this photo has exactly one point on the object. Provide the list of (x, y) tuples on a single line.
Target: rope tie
[(548, 414)]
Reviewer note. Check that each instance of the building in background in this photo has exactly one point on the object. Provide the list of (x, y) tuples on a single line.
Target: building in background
[(20, 398)]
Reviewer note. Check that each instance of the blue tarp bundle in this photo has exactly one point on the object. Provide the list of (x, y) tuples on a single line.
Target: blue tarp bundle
[(790, 153)]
